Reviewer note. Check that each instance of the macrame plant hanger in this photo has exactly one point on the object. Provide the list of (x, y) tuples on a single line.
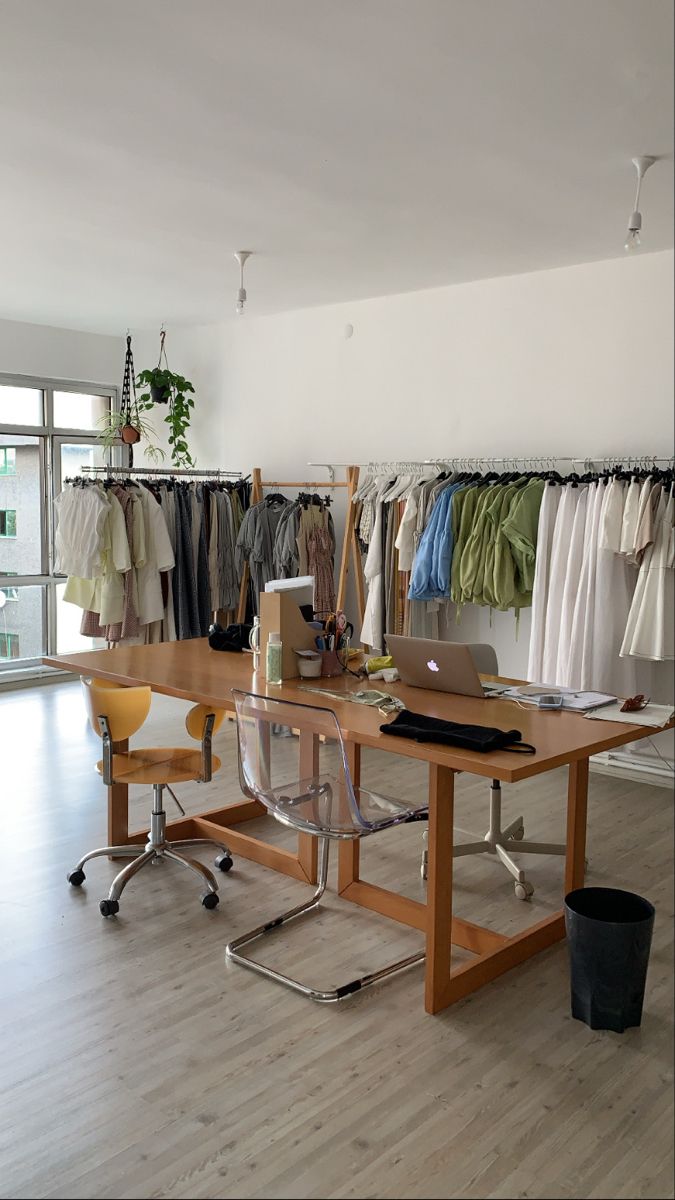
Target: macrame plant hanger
[(130, 431)]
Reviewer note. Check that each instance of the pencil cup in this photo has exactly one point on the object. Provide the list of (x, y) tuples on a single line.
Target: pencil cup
[(330, 664)]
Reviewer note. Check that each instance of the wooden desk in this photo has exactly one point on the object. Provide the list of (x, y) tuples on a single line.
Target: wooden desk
[(192, 671)]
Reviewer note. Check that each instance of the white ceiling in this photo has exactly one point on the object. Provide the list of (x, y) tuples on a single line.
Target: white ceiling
[(359, 147)]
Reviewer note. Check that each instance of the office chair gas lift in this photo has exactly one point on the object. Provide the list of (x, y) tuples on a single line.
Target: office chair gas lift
[(115, 713)]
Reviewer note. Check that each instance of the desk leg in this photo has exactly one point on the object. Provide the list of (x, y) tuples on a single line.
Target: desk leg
[(118, 806), (439, 887), (577, 808), (308, 846), (348, 851)]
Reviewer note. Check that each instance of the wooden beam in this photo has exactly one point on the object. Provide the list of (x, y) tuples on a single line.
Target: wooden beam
[(308, 845), (274, 857), (413, 913), (473, 975), (439, 885), (577, 808), (349, 852)]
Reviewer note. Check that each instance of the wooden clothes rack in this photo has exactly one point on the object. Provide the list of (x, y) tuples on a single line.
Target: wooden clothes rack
[(350, 548)]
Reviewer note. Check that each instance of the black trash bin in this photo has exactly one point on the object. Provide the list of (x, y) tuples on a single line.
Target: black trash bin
[(609, 934)]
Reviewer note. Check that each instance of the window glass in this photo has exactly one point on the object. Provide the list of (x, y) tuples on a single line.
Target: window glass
[(21, 534), (7, 460), (21, 405), (22, 624), (7, 522), (75, 410), (69, 640)]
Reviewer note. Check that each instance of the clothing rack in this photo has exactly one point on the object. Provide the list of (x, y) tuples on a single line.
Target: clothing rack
[(166, 472), (543, 460), (350, 545)]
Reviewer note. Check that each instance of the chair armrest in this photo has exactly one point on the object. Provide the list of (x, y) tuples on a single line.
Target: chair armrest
[(107, 751), (207, 758)]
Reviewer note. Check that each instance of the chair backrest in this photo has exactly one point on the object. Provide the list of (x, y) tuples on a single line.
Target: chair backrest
[(195, 721), (302, 792), (485, 658), (125, 708)]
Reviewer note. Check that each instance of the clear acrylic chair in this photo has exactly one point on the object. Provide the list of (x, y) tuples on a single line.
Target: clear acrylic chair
[(326, 805)]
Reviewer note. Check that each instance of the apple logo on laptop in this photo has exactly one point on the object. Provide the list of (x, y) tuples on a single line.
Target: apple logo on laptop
[(433, 665)]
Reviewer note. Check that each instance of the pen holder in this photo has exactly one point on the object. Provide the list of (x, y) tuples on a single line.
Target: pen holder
[(330, 664)]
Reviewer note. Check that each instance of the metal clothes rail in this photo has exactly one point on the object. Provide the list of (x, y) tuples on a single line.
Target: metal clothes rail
[(167, 472)]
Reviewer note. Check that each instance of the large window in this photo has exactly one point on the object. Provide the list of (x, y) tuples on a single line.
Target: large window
[(48, 431), (7, 522), (10, 646), (7, 460)]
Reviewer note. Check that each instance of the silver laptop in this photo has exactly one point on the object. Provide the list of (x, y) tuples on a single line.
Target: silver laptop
[(439, 666)]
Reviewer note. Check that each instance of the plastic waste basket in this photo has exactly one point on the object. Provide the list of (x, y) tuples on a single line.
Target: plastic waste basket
[(609, 934)]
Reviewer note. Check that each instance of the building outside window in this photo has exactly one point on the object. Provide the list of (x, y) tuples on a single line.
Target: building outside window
[(48, 431)]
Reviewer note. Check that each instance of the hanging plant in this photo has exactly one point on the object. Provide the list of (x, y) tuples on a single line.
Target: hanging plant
[(128, 425), (165, 387)]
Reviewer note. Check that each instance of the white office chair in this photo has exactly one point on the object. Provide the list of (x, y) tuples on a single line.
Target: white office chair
[(497, 840)]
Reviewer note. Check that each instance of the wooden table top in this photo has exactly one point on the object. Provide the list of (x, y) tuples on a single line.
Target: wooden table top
[(192, 671)]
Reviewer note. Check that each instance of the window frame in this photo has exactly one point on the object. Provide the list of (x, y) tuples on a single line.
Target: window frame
[(49, 438)]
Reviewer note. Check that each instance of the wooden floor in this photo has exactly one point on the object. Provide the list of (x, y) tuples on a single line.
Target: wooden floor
[(135, 1063)]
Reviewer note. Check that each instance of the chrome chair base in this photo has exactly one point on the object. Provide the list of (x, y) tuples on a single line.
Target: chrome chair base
[(500, 842), (322, 997), (154, 851)]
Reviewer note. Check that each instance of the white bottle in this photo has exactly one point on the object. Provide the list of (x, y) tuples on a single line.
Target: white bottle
[(274, 658)]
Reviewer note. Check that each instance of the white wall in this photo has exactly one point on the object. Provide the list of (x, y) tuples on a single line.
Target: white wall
[(60, 353), (571, 361)]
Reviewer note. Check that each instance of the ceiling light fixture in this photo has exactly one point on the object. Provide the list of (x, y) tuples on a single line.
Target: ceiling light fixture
[(241, 256), (642, 165)]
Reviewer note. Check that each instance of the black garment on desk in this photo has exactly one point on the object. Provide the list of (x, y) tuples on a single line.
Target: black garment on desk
[(482, 738), (234, 638)]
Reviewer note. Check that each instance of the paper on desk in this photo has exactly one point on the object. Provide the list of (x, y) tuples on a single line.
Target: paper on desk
[(654, 715), (574, 701)]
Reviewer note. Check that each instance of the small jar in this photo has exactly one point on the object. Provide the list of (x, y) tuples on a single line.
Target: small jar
[(274, 658)]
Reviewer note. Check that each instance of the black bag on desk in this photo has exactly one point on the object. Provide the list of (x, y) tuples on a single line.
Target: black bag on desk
[(482, 738), (234, 638)]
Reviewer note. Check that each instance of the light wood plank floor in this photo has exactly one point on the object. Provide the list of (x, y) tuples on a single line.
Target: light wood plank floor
[(135, 1063)]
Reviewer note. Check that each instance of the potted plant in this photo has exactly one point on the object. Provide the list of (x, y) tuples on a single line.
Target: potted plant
[(117, 426), (166, 387)]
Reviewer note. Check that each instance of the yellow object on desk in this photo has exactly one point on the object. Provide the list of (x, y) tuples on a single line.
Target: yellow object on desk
[(379, 664)]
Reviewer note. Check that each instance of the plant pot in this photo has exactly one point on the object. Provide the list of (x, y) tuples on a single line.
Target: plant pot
[(159, 395), (130, 435)]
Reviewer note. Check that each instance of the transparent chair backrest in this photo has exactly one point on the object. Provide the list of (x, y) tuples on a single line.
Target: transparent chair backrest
[(271, 764)]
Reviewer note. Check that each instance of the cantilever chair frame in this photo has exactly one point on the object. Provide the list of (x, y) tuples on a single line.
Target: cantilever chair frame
[(322, 996)]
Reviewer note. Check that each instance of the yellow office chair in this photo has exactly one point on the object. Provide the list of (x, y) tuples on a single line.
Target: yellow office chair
[(115, 713)]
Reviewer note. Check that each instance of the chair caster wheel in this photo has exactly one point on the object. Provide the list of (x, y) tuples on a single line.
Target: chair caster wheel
[(76, 878), (109, 908), (211, 900), (224, 862), (519, 833), (524, 891)]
